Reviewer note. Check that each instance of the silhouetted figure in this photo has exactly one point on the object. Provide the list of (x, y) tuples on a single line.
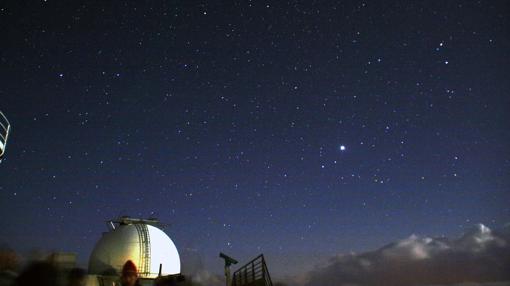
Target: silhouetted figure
[(129, 275), (38, 273), (77, 277)]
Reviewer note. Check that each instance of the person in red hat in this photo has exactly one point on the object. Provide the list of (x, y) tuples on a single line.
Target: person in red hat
[(129, 274)]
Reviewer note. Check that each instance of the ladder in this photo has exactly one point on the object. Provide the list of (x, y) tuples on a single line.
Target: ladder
[(145, 249)]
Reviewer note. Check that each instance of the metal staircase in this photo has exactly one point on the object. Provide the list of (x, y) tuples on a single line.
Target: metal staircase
[(145, 249)]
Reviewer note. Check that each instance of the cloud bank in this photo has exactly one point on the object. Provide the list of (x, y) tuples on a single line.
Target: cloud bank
[(479, 256)]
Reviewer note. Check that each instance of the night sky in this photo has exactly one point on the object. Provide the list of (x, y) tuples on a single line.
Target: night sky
[(296, 129)]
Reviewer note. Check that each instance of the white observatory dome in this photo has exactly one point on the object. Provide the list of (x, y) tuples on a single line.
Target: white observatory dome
[(146, 245)]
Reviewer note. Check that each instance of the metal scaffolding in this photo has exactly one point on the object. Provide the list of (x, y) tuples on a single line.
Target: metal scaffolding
[(145, 249)]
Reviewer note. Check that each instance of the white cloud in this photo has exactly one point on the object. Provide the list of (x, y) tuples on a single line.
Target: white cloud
[(414, 248), (478, 239), (479, 257)]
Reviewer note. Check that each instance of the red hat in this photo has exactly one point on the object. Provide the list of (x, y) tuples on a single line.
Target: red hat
[(129, 268)]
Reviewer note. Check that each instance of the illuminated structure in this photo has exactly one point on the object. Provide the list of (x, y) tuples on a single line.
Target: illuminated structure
[(139, 240)]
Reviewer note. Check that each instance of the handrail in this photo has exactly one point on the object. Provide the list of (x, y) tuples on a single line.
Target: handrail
[(4, 117), (4, 134), (254, 270), (3, 126)]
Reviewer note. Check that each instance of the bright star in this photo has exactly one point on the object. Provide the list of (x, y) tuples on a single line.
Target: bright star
[(342, 148)]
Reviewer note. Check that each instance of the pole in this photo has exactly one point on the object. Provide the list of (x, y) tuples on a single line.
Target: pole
[(227, 275)]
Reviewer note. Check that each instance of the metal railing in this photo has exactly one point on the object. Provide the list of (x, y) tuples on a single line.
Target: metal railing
[(145, 249), (5, 129), (253, 273)]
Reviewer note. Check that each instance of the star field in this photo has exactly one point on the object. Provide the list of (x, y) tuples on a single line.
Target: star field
[(296, 129)]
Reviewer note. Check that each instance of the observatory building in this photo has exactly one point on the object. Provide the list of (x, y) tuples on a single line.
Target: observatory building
[(139, 240)]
